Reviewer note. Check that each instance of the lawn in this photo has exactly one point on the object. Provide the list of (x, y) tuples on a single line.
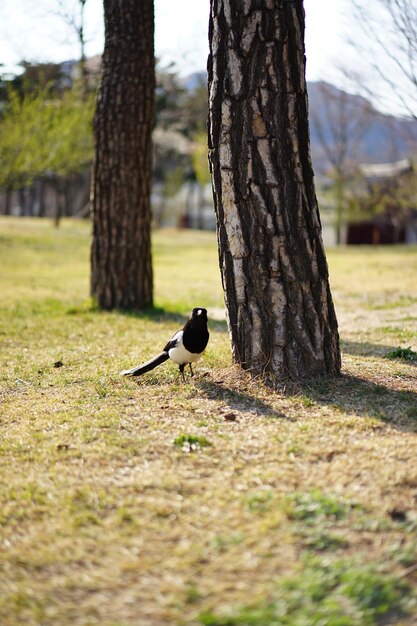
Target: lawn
[(151, 502)]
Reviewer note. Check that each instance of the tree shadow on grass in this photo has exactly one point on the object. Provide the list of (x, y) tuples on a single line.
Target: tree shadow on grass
[(153, 314), (348, 394), (159, 314), (238, 400), (353, 394), (365, 348), (156, 314)]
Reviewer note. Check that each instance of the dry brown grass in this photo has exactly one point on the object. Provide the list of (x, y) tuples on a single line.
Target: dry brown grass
[(104, 520)]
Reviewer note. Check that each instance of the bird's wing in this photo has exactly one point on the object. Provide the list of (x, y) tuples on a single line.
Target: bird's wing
[(173, 343)]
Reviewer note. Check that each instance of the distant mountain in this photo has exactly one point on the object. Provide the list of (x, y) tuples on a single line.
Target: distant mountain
[(382, 138), (372, 137), (194, 80)]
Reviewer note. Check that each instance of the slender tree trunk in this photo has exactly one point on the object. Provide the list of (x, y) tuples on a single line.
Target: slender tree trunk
[(42, 197), (32, 199), (340, 204), (81, 39), (67, 195), (59, 208), (8, 201), (121, 187), (200, 205), (274, 271), (22, 202)]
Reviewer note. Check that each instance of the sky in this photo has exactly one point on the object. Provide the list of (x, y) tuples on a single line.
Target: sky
[(33, 31)]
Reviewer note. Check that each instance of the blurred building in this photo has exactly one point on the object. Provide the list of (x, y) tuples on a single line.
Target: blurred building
[(388, 201)]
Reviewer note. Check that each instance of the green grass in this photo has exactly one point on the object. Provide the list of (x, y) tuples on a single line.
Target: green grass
[(189, 443), (402, 353), (338, 594), (312, 506), (215, 501)]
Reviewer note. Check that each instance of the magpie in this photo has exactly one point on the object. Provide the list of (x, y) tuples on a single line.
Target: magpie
[(185, 347)]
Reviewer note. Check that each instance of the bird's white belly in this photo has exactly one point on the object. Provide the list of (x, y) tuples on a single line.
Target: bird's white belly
[(181, 355)]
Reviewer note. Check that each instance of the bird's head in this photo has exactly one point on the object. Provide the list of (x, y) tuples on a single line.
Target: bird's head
[(199, 314)]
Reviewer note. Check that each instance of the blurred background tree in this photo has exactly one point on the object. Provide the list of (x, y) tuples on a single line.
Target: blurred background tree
[(44, 135), (383, 191)]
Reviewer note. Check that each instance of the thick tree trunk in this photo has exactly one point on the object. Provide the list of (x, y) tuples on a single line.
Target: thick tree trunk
[(274, 271), (121, 187)]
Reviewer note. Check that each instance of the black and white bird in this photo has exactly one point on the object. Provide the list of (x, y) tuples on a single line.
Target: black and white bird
[(185, 347)]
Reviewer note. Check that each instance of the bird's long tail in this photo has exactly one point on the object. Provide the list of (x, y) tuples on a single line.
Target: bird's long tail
[(148, 366)]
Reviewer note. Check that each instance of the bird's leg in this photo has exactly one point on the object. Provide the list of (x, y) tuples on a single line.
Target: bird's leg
[(191, 369), (181, 367)]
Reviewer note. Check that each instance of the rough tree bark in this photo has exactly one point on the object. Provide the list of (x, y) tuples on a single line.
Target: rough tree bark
[(121, 186), (280, 311)]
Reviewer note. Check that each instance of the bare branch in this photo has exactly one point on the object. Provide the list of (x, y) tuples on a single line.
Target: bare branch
[(390, 51)]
